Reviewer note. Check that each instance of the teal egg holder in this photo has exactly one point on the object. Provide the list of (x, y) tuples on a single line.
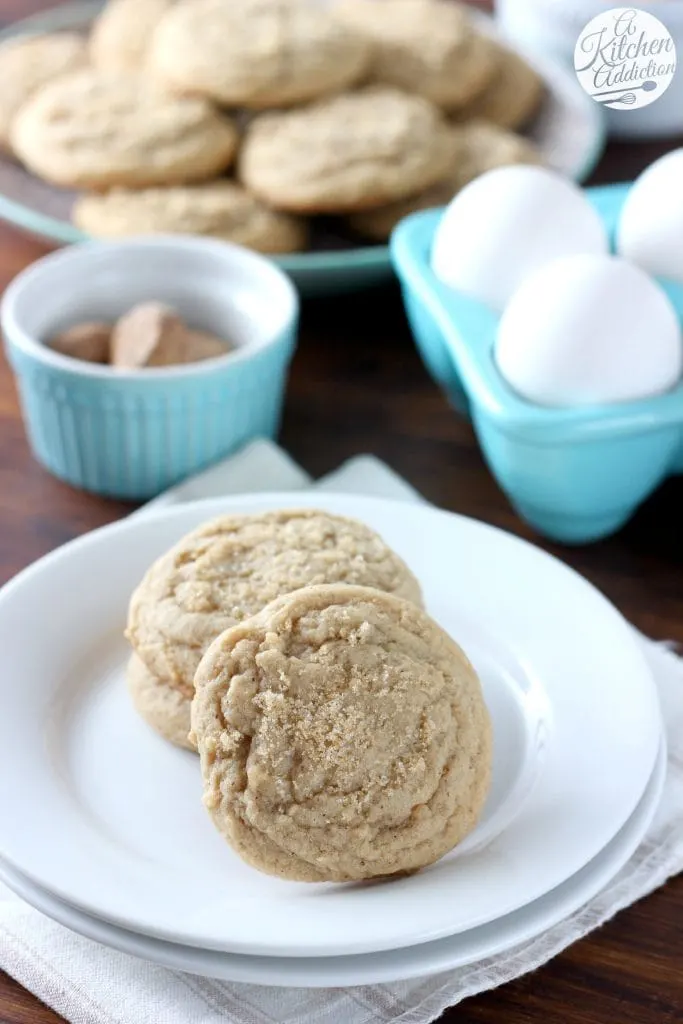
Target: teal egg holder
[(575, 475)]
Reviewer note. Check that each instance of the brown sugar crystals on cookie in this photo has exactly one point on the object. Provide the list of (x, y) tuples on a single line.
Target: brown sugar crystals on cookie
[(343, 735), (225, 571), (229, 568)]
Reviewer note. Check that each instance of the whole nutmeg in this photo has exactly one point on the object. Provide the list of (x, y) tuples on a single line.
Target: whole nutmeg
[(151, 334), (89, 341), (200, 345)]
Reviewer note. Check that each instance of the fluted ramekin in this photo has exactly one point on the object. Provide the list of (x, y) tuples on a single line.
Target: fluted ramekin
[(131, 434)]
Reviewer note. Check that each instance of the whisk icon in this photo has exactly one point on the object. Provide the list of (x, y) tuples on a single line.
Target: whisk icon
[(628, 98)]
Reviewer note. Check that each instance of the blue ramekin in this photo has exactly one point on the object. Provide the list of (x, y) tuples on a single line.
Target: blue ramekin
[(576, 475), (131, 434)]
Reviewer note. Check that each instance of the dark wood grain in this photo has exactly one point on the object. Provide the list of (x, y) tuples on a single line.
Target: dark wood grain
[(357, 386)]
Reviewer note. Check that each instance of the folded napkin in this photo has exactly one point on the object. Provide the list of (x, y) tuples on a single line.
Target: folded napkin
[(89, 984)]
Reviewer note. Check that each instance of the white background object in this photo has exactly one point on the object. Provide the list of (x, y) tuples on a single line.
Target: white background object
[(650, 231), (120, 829), (505, 225), (625, 58), (587, 330), (552, 27)]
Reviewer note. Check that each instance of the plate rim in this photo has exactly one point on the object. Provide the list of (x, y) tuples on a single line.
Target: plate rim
[(574, 893), (204, 509)]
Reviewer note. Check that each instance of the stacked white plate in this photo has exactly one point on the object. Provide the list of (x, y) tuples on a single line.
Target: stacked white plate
[(101, 824)]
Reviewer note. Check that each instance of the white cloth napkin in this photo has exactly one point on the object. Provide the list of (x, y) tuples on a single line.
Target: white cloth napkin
[(89, 984)]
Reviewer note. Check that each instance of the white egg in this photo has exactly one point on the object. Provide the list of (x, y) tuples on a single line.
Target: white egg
[(650, 230), (506, 224), (589, 330)]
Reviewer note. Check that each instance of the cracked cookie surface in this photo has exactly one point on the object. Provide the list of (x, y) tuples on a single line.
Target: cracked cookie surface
[(354, 151), (95, 129), (233, 566), (343, 735), (256, 53)]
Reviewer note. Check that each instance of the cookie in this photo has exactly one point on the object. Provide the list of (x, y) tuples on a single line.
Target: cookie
[(427, 47), (220, 209), (343, 735), (165, 708), (477, 147), (512, 98), (94, 129), (351, 152), (121, 34), (231, 567), (483, 147), (256, 53), (28, 63)]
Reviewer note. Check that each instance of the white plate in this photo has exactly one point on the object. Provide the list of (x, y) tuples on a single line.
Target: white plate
[(371, 968), (102, 813)]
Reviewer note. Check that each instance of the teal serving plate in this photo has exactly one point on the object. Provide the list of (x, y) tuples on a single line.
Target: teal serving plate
[(576, 475), (569, 131)]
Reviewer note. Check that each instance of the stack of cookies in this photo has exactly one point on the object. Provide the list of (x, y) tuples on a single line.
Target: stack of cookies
[(342, 734), (226, 571), (246, 120)]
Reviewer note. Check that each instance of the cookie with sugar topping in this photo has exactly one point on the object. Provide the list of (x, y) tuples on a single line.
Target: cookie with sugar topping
[(230, 568), (256, 53), (354, 151), (343, 735), (94, 129)]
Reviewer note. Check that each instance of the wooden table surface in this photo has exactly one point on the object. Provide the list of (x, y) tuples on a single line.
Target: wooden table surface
[(360, 388)]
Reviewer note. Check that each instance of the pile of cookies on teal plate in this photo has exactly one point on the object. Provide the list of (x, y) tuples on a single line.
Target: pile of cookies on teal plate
[(342, 734), (246, 121)]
